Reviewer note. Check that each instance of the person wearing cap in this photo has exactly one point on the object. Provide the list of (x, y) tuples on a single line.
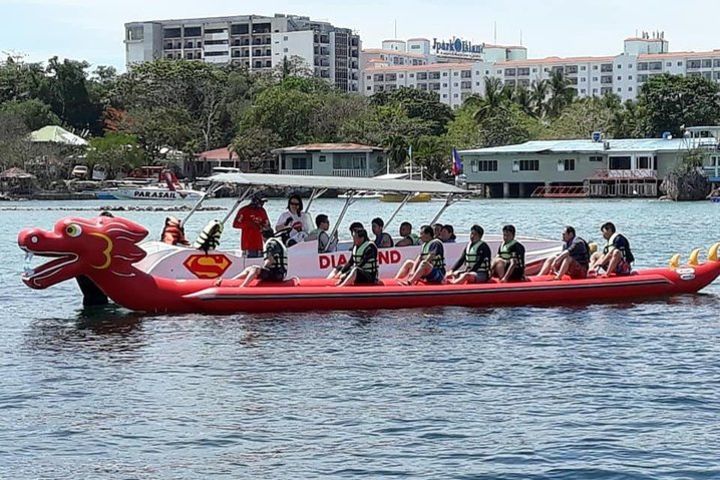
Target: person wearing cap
[(274, 266), (382, 239), (295, 219), (251, 220), (173, 232)]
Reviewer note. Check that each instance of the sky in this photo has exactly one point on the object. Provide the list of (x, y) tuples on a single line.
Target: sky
[(93, 30)]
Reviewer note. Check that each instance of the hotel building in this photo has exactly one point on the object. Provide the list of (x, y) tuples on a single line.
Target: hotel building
[(257, 42), (623, 74)]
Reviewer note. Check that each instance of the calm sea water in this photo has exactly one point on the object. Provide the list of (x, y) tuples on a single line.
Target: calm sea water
[(613, 391)]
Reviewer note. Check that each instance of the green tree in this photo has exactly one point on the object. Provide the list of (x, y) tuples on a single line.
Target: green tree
[(115, 151), (463, 130), (255, 146), (69, 96), (34, 113), (418, 104), (669, 102), (508, 126), (433, 154), (561, 93), (538, 98)]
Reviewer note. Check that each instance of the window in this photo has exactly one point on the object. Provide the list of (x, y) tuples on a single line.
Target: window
[(193, 31), (526, 165), (523, 72), (646, 162), (707, 63), (351, 161), (322, 159), (466, 84), (716, 63), (619, 163), (694, 64), (172, 33), (434, 75), (214, 30), (596, 158), (216, 42), (484, 166), (679, 64), (135, 33), (444, 74), (285, 38), (412, 75), (466, 74), (566, 165), (422, 76), (216, 54), (299, 163), (455, 74), (240, 29), (668, 64), (444, 85)]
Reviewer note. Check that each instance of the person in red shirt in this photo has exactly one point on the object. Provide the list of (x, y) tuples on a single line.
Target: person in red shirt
[(251, 220)]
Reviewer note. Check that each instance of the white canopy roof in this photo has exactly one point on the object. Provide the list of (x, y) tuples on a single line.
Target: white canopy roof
[(337, 183)]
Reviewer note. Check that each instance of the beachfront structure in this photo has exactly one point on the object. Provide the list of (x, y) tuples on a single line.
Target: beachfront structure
[(642, 58), (603, 168), (331, 159), (260, 43)]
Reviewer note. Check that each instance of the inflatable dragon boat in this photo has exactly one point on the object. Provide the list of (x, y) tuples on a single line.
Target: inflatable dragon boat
[(105, 251)]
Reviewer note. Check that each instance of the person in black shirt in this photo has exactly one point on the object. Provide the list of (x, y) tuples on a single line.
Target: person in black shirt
[(616, 258), (382, 239), (475, 259), (362, 268), (574, 259), (509, 265)]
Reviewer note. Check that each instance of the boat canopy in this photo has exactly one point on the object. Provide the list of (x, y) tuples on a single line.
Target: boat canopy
[(382, 185)]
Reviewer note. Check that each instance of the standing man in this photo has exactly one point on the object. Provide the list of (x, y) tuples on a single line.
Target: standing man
[(475, 258), (574, 259), (509, 265), (429, 265), (252, 219)]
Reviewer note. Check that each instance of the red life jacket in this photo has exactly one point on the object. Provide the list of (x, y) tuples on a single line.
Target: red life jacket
[(174, 235)]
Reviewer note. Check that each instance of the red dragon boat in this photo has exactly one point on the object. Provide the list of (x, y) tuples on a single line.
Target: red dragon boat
[(105, 251)]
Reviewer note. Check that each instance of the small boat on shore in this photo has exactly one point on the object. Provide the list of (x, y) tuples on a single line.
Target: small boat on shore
[(104, 252)]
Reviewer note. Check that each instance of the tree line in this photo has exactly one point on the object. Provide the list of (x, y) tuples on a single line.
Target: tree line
[(130, 118)]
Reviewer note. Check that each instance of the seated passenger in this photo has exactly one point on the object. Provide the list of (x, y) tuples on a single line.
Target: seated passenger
[(362, 268), (354, 227), (616, 258), (574, 259), (473, 266), (407, 237), (437, 228), (382, 239), (173, 232), (429, 266), (325, 244), (447, 234), (274, 267), (509, 265)]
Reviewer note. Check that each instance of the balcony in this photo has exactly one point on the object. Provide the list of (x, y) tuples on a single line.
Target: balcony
[(349, 172), (292, 171), (713, 173)]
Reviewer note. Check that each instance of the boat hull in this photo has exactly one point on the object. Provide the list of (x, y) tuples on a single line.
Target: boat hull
[(155, 194), (321, 295)]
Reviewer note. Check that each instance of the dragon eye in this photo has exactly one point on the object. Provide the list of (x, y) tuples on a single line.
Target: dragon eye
[(73, 230)]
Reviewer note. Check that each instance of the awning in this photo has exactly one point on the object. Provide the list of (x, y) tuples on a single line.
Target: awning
[(56, 134), (337, 183)]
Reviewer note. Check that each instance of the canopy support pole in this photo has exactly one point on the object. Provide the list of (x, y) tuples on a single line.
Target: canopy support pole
[(316, 193), (448, 201), (242, 198), (214, 188), (407, 198), (348, 201)]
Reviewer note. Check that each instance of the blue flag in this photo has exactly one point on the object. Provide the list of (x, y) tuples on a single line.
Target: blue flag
[(457, 165)]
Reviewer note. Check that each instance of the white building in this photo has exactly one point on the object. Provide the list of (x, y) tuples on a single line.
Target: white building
[(623, 74), (257, 42)]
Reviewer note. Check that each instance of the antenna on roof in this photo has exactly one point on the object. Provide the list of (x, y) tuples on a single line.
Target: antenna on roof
[(395, 37), (521, 37), (495, 32)]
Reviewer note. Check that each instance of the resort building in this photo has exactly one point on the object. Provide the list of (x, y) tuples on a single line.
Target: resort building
[(331, 159), (642, 58), (257, 42), (600, 168)]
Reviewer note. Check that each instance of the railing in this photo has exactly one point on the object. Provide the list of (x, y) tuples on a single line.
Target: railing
[(712, 172), (626, 174), (349, 172), (303, 172), (558, 191)]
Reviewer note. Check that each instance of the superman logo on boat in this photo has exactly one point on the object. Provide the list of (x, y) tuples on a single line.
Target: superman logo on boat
[(207, 266)]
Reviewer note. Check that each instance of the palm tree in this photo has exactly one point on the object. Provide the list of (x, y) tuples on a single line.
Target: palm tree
[(538, 98), (494, 100), (561, 94), (521, 96)]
